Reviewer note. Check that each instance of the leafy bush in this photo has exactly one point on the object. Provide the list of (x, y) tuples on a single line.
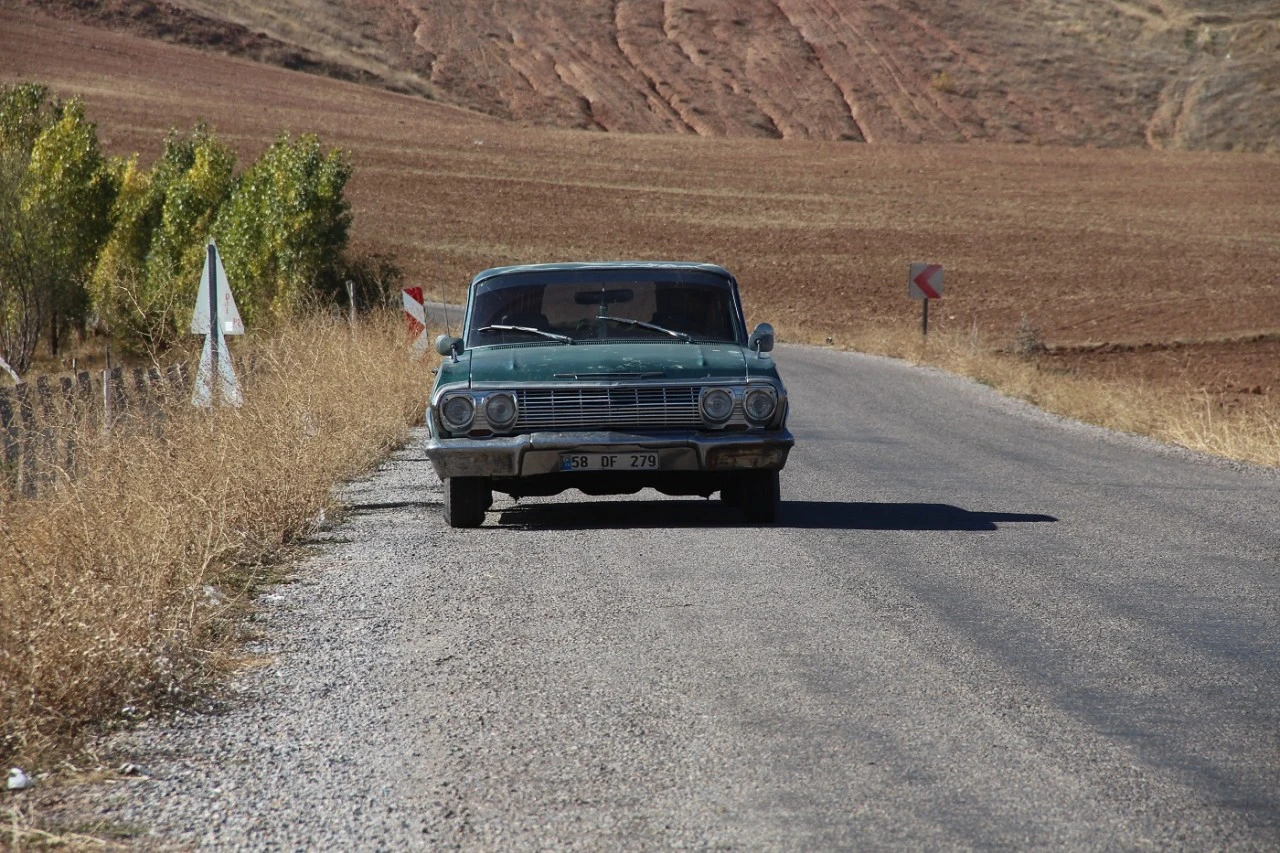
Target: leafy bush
[(375, 280)]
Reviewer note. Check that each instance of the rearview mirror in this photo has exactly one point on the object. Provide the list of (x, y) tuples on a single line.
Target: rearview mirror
[(604, 297), (448, 345), (762, 338)]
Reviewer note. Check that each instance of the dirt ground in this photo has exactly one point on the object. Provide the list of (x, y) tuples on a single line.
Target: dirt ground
[(1128, 248)]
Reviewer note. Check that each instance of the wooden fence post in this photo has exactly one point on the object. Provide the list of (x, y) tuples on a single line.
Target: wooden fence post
[(71, 422), (9, 446), (44, 423), (143, 404), (84, 394), (47, 443), (106, 401), (113, 398), (26, 465)]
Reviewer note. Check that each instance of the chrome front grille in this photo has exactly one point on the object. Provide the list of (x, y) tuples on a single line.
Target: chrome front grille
[(607, 408)]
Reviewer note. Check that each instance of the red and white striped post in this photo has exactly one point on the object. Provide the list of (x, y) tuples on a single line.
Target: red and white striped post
[(415, 319)]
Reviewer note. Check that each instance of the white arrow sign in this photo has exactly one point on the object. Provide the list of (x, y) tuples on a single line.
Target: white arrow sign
[(215, 317), (229, 322), (924, 281), (202, 394)]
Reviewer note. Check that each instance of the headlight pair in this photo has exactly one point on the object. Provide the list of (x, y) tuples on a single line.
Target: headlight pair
[(458, 410), (758, 404)]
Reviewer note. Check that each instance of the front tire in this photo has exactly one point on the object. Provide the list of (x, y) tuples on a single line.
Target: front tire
[(760, 495), (465, 501)]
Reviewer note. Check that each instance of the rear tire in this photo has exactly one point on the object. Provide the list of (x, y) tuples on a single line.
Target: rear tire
[(465, 501), (760, 493)]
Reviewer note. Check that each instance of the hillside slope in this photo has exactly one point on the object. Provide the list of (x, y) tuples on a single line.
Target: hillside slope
[(1189, 74)]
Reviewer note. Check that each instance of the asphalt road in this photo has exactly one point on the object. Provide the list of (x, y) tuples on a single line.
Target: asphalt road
[(974, 626)]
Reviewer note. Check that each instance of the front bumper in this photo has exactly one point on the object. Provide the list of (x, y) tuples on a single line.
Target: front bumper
[(533, 454)]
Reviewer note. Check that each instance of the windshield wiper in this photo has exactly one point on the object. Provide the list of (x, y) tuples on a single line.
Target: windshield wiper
[(684, 336), (565, 339)]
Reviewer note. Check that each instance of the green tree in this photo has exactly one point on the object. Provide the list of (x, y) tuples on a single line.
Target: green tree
[(21, 312), (25, 111), (283, 232), (57, 191), (76, 229), (148, 273), (70, 187)]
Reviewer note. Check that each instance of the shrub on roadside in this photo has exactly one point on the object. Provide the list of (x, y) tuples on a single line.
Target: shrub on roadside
[(115, 585)]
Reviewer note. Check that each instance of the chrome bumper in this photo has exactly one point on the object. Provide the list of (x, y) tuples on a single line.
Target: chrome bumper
[(537, 453)]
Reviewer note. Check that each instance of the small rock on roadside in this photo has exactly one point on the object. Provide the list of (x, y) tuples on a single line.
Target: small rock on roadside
[(18, 780)]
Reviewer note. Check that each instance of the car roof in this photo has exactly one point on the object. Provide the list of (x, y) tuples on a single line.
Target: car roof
[(615, 266)]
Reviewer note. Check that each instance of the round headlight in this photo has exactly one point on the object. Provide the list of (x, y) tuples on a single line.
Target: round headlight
[(717, 405), (760, 404), (500, 409), (458, 411)]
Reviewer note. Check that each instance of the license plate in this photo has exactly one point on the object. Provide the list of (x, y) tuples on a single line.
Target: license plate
[(609, 462)]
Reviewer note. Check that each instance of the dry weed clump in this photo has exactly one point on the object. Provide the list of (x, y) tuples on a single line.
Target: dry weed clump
[(115, 582), (1190, 419)]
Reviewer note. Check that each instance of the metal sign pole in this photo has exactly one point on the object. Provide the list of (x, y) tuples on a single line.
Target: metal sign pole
[(213, 324), (925, 320)]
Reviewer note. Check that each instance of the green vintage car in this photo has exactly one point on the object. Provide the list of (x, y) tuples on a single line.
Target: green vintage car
[(607, 378)]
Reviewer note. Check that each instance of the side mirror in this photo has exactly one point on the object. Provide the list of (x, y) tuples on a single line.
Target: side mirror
[(762, 338), (447, 345)]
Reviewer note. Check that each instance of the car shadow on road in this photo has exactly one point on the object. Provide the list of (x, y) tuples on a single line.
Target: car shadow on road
[(851, 515), (802, 515)]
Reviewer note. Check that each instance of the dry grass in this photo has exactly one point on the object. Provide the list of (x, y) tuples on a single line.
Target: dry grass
[(1188, 418), (115, 585), (19, 831)]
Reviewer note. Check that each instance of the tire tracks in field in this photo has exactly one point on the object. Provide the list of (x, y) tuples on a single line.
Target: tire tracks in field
[(701, 50), (911, 109), (846, 95), (667, 99)]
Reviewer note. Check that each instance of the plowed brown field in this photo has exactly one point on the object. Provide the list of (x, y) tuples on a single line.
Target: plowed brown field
[(1121, 247)]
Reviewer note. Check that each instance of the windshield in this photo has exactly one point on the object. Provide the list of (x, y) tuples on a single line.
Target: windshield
[(530, 308)]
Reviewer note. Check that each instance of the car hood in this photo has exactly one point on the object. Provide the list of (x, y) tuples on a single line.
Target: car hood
[(607, 362)]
